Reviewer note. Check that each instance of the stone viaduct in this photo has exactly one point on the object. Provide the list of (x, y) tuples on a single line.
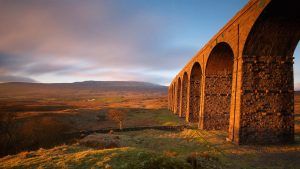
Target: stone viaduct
[(241, 81)]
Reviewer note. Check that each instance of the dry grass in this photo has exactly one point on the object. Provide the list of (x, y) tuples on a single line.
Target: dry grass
[(80, 157), (206, 149), (42, 119)]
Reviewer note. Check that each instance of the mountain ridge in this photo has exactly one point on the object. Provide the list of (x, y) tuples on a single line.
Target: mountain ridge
[(25, 87)]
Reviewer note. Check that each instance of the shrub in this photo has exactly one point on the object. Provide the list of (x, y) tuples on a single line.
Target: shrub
[(117, 115)]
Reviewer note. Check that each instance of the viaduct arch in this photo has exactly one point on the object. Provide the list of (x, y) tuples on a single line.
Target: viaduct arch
[(241, 81), (178, 96), (194, 93), (218, 84), (184, 96)]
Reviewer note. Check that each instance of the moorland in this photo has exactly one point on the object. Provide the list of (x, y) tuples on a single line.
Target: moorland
[(67, 126)]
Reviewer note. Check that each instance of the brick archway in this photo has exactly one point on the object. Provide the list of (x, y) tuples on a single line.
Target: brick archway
[(184, 95), (195, 93), (173, 98), (178, 96), (218, 87), (262, 36), (268, 86)]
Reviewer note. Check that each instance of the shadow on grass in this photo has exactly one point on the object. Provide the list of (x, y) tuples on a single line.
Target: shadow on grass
[(47, 130)]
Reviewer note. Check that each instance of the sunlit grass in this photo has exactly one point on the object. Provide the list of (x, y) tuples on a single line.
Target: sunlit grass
[(168, 119), (138, 151), (158, 117), (80, 157), (151, 149)]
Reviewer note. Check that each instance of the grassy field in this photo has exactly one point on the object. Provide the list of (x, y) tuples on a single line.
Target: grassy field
[(42, 120), (45, 121), (163, 149)]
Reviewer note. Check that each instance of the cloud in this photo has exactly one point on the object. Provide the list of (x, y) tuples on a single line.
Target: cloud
[(71, 39), (60, 38), (160, 77), (84, 30), (4, 79)]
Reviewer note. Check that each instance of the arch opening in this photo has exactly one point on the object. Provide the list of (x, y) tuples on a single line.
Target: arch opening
[(184, 95), (218, 87), (267, 103), (171, 99), (297, 89), (178, 94), (174, 98), (195, 93)]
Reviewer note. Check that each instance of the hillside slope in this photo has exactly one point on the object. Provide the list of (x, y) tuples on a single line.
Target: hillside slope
[(20, 88)]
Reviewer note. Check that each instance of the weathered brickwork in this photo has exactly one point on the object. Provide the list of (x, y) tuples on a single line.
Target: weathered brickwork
[(218, 83), (178, 96), (268, 78), (242, 79), (217, 101), (195, 83), (184, 95), (174, 98)]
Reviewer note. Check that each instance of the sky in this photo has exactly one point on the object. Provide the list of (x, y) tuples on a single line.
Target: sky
[(53, 41)]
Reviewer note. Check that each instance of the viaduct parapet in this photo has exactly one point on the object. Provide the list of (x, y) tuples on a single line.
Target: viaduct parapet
[(241, 81)]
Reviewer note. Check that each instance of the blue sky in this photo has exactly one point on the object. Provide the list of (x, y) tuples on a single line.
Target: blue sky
[(141, 40)]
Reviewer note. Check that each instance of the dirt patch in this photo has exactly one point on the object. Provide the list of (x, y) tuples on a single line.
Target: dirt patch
[(100, 141)]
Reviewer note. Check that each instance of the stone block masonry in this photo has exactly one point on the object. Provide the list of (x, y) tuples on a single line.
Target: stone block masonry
[(241, 81)]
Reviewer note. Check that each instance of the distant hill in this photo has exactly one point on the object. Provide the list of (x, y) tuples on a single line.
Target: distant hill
[(19, 88)]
